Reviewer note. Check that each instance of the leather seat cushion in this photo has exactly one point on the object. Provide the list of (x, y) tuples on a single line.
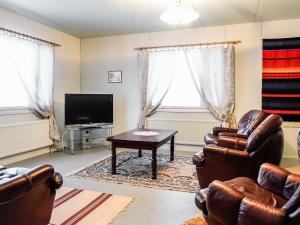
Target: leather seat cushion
[(210, 139), (254, 191)]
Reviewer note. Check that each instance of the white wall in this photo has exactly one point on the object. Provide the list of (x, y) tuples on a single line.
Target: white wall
[(67, 61), (99, 55)]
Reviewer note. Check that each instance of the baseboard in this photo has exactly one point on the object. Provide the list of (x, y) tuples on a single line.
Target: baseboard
[(183, 148), (197, 148), (25, 155)]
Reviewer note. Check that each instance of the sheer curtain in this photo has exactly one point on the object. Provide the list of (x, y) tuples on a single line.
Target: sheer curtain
[(213, 72), (34, 64), (155, 81), (211, 68)]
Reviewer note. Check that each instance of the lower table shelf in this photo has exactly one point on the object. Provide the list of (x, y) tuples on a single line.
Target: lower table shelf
[(83, 137)]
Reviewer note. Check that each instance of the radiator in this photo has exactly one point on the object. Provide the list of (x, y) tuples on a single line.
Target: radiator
[(23, 137), (190, 132)]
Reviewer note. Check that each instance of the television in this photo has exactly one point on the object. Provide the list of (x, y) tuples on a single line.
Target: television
[(88, 109)]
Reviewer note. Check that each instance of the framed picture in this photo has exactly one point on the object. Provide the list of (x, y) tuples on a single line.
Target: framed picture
[(115, 76)]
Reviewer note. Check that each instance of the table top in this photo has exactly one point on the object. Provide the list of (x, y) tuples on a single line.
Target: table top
[(128, 136)]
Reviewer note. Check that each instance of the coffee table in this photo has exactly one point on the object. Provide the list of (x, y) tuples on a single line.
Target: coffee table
[(130, 140)]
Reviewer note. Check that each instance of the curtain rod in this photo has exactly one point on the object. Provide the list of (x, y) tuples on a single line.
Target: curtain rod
[(188, 45), (30, 37)]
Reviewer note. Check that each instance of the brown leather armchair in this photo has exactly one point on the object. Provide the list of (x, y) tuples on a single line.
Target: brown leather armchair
[(273, 199), (27, 195), (235, 157), (246, 125)]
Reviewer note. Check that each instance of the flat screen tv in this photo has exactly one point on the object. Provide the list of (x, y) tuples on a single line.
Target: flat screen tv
[(88, 109)]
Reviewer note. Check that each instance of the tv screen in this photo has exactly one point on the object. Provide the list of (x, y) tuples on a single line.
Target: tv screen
[(88, 109)]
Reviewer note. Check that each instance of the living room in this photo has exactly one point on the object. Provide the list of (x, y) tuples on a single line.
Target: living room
[(116, 49)]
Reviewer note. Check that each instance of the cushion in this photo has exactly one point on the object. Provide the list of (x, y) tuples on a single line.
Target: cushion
[(252, 190)]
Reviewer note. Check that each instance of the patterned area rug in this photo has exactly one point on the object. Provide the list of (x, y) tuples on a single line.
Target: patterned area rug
[(179, 175), (197, 220), (82, 207)]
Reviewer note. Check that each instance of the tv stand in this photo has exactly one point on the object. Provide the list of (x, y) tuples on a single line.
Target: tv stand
[(85, 140)]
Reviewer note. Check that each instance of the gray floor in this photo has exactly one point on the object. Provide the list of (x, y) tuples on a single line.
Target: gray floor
[(150, 206)]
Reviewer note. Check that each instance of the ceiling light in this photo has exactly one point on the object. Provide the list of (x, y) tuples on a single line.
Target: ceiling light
[(179, 15)]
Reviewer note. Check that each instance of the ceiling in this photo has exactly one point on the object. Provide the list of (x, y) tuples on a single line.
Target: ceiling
[(93, 18)]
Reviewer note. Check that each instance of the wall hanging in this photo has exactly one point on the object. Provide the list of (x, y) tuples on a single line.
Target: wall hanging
[(281, 77)]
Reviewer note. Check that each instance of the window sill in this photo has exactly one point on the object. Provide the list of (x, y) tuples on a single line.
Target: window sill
[(14, 110), (183, 110)]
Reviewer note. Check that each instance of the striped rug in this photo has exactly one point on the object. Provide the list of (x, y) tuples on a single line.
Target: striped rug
[(82, 207), (281, 78)]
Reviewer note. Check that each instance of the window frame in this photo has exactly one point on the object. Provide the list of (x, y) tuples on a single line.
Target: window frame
[(182, 109), (13, 110)]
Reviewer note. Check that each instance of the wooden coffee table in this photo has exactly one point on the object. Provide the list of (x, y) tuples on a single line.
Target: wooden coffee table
[(130, 140)]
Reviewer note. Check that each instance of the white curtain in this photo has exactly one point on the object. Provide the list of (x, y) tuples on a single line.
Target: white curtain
[(155, 81), (34, 64), (213, 72)]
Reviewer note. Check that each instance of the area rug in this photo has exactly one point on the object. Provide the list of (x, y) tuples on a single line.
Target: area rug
[(178, 175), (82, 207), (197, 220)]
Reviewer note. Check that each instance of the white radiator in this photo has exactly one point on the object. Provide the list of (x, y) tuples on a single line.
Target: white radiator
[(190, 132), (23, 137)]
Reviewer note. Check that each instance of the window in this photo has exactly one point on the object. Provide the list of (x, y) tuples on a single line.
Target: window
[(12, 92), (182, 92), (26, 72)]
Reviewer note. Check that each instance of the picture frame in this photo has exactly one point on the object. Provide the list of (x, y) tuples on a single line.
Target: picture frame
[(115, 76)]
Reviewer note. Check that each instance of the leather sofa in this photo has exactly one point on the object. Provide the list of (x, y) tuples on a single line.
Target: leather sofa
[(274, 199), (235, 157), (246, 125), (27, 195)]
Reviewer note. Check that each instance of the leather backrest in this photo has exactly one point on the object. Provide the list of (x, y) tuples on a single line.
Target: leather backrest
[(269, 126), (281, 182), (294, 202), (291, 185), (272, 178), (250, 121)]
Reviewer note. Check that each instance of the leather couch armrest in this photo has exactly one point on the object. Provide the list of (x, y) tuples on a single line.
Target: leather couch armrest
[(233, 135), (225, 152), (217, 130), (56, 181), (198, 159), (225, 203), (255, 213), (232, 142), (200, 201), (24, 182), (272, 178), (222, 202)]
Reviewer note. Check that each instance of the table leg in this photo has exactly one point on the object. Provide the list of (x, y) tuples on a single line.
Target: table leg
[(140, 152), (109, 135), (172, 149), (113, 159), (154, 163)]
